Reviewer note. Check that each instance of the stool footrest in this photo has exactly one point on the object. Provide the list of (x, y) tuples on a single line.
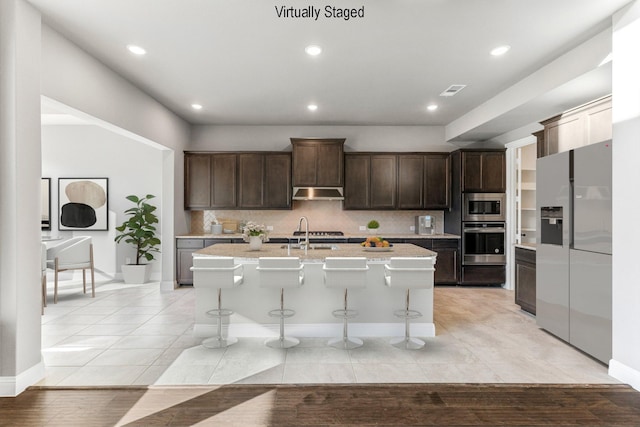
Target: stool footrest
[(407, 314), (219, 312), (285, 313), (344, 313)]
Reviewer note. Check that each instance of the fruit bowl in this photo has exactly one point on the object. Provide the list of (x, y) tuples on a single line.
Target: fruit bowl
[(375, 243)]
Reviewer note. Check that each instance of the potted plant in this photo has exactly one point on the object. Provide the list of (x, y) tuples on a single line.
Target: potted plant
[(373, 226), (139, 231), (255, 234)]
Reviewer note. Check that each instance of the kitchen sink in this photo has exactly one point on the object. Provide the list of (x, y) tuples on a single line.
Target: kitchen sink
[(314, 246)]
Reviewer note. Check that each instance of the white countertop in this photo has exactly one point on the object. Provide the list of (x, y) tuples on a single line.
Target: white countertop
[(362, 236)]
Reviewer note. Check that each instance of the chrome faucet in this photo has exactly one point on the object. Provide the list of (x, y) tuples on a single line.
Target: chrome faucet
[(306, 233)]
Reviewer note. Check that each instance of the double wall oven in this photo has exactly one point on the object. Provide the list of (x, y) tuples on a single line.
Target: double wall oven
[(483, 229)]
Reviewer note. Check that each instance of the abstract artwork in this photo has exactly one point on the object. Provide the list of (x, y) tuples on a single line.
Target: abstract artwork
[(45, 204), (83, 203)]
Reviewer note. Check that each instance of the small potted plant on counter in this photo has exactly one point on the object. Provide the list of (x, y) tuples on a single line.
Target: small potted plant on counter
[(373, 226), (139, 230), (255, 234)]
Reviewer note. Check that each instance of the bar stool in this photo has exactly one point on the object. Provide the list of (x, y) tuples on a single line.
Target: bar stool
[(409, 273), (281, 272), (217, 273), (347, 273)]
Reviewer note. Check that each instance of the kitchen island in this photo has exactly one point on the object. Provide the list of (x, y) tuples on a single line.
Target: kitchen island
[(314, 302)]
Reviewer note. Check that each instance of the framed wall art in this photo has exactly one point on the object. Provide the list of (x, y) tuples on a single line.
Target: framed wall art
[(45, 204), (83, 203)]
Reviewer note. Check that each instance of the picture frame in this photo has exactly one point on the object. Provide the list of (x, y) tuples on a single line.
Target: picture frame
[(83, 204), (45, 203)]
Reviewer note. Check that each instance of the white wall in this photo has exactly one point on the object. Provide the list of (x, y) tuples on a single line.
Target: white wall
[(358, 138), (92, 152), (625, 363), (20, 295), (76, 79)]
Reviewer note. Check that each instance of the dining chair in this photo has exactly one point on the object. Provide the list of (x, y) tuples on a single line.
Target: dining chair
[(73, 254)]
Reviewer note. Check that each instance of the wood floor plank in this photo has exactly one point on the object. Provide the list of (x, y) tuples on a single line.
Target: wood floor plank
[(327, 405)]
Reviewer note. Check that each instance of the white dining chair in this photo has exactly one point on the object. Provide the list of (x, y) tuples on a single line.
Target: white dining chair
[(73, 254)]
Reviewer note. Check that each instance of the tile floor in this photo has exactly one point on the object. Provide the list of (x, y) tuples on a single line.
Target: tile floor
[(137, 335)]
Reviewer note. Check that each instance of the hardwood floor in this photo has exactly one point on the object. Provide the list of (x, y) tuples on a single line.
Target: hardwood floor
[(327, 405)]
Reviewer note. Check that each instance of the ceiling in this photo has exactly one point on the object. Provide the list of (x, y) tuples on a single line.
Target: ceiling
[(247, 66)]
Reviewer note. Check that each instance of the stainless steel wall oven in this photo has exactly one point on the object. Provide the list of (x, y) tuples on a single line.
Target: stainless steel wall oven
[(483, 243)]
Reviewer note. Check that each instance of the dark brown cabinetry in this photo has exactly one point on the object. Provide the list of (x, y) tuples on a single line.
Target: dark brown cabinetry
[(410, 181), (318, 162), (397, 181), (437, 185), (484, 172), (448, 260), (526, 279), (260, 180), (184, 256)]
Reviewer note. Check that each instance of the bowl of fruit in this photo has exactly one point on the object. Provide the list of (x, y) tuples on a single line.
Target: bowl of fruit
[(376, 244)]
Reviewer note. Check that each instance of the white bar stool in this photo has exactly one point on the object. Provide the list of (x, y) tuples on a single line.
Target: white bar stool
[(217, 273), (409, 273), (281, 272), (347, 273)]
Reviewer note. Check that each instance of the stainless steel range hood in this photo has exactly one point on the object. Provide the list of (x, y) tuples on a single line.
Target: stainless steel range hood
[(318, 193)]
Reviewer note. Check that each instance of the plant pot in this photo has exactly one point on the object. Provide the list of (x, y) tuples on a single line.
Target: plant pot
[(255, 243), (372, 230), (136, 274)]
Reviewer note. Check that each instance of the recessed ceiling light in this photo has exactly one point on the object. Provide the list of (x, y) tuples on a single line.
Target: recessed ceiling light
[(196, 106), (500, 50), (137, 50), (313, 50), (432, 107), (312, 107)]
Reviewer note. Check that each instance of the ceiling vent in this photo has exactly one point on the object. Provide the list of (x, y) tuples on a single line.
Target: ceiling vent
[(452, 90)]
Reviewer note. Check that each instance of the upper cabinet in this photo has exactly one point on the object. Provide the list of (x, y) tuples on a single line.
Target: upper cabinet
[(588, 124), (318, 162), (260, 180), (484, 171), (411, 181)]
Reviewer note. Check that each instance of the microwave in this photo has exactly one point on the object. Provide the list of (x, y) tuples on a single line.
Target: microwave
[(484, 207)]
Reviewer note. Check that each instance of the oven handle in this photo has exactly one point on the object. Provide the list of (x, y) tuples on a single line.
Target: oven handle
[(484, 230)]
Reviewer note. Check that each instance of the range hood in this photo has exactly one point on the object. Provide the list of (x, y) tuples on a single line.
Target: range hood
[(318, 193)]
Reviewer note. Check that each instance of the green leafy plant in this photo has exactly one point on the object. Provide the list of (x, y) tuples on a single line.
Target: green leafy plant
[(139, 229), (373, 224)]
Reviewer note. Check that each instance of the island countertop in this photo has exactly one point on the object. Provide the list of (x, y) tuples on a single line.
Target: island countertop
[(318, 255)]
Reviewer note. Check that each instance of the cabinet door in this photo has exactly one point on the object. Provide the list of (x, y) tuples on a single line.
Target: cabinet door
[(305, 166), (448, 261), (437, 185), (383, 181), (277, 181), (525, 292), (197, 191), (472, 171), (183, 270), (410, 181), (223, 186), (494, 177), (357, 168), (329, 165), (484, 172), (250, 180)]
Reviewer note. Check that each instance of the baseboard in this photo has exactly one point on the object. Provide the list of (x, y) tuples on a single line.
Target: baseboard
[(624, 373), (13, 386), (317, 330)]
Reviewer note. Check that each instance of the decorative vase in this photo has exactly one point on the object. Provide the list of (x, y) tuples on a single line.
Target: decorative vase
[(255, 243)]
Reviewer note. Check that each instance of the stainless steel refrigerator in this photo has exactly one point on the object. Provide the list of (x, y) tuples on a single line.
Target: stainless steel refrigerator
[(573, 257)]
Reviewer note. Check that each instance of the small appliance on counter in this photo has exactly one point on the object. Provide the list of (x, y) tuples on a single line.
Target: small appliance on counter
[(425, 224)]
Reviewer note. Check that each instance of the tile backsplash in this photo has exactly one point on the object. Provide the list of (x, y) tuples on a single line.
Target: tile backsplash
[(322, 215)]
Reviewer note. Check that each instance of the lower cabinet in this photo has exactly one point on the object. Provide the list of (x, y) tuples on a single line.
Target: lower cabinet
[(184, 256), (483, 274), (526, 279), (448, 261)]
